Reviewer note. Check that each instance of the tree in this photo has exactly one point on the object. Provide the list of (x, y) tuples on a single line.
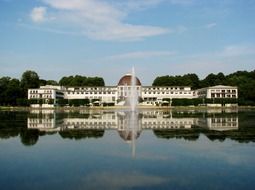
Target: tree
[(79, 80), (29, 79), (190, 79), (51, 82), (9, 91)]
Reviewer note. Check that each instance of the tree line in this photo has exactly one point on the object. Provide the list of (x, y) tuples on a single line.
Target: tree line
[(13, 92), (244, 80)]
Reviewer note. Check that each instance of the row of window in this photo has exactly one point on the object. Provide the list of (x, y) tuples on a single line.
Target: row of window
[(91, 123), (222, 120), (31, 125), (41, 96), (91, 92), (224, 91), (93, 88), (36, 91), (128, 88), (224, 124), (223, 95), (163, 88), (36, 120), (168, 122), (167, 92)]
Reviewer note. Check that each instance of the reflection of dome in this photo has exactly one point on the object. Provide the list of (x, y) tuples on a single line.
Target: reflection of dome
[(127, 135), (126, 80)]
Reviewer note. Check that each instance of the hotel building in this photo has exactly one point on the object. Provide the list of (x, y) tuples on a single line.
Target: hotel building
[(118, 95)]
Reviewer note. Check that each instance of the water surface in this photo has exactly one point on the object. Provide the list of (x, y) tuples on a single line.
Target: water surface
[(148, 149)]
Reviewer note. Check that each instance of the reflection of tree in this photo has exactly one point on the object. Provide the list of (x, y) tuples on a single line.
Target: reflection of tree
[(7, 133), (187, 134), (12, 123), (81, 134), (191, 135), (29, 137), (241, 135)]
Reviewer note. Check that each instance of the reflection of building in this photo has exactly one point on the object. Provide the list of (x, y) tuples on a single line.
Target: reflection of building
[(219, 123), (117, 95), (93, 121), (125, 122), (159, 120), (45, 120)]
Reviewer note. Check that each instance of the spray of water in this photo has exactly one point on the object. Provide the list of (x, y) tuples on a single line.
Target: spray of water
[(133, 99)]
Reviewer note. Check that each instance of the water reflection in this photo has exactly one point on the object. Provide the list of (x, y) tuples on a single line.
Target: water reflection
[(123, 122), (188, 125), (129, 125)]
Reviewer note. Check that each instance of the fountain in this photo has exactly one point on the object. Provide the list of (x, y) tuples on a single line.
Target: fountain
[(133, 120), (133, 92)]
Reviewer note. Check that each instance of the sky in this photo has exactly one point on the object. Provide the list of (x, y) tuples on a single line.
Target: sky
[(106, 38)]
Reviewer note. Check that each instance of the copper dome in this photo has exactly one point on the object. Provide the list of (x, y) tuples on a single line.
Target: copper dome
[(128, 135), (126, 80)]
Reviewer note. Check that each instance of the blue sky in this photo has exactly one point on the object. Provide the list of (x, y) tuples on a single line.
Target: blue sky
[(106, 38)]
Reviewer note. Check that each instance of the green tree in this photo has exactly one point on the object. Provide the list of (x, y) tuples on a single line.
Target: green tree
[(79, 80), (9, 91), (29, 79), (51, 82)]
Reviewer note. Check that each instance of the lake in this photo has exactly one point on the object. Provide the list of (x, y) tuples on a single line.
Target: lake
[(118, 149)]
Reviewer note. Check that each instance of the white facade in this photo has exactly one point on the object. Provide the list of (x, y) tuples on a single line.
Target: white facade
[(108, 94), (219, 91), (46, 93), (159, 93)]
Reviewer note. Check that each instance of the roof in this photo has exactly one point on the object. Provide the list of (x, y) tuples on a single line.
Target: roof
[(126, 80), (221, 86)]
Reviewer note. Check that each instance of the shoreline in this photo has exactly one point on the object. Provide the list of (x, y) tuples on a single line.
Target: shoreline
[(18, 108)]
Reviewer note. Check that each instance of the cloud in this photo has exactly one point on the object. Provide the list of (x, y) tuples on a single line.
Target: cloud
[(211, 25), (237, 50), (38, 14), (98, 19), (46, 29), (139, 4), (111, 180), (142, 55)]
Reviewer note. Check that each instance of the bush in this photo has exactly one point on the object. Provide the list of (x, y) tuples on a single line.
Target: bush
[(22, 102), (186, 102), (62, 102), (108, 104), (78, 102)]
